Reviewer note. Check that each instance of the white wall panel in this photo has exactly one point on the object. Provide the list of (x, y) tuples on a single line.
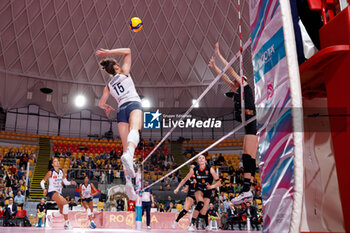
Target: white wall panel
[(74, 128), (105, 127), (10, 121), (95, 127), (32, 124), (64, 127), (43, 125), (21, 123), (115, 129), (53, 126), (33, 109), (85, 128)]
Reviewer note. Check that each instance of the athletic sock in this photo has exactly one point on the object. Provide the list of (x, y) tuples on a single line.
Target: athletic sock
[(193, 221), (246, 185), (131, 150), (205, 219), (181, 214)]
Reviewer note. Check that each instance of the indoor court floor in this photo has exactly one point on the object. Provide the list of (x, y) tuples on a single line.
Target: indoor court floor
[(83, 230)]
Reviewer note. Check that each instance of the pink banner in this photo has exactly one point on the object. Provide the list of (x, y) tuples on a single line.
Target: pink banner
[(120, 220)]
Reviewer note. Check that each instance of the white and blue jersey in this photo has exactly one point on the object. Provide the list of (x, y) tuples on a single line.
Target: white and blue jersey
[(86, 191), (122, 88), (55, 181)]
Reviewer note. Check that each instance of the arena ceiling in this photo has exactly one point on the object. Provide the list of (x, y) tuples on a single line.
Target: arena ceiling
[(52, 44)]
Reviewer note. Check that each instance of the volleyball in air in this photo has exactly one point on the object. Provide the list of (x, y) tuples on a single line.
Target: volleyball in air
[(135, 24)]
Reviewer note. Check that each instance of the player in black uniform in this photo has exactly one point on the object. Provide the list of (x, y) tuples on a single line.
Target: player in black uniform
[(204, 176), (190, 189), (250, 145)]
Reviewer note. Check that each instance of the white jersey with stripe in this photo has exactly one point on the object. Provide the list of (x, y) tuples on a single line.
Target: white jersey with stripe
[(55, 181), (122, 88), (86, 190)]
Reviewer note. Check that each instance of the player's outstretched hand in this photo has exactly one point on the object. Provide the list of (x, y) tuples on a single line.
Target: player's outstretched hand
[(102, 53)]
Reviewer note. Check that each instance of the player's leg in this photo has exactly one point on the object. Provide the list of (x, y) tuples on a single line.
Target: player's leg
[(63, 207), (134, 114), (203, 211), (188, 203), (127, 160), (250, 147), (90, 211)]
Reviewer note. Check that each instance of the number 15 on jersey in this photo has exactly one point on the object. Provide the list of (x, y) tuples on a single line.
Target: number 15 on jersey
[(118, 88)]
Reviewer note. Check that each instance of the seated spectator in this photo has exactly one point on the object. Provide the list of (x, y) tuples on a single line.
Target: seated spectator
[(231, 188), (15, 186), (174, 180), (20, 173), (111, 204), (72, 203), (216, 202), (167, 203), (161, 207), (103, 177), (24, 160), (161, 188), (227, 202), (168, 187), (251, 213), (213, 214), (13, 169), (19, 199), (233, 217), (8, 193), (120, 204), (223, 215), (10, 213), (41, 212), (213, 195), (171, 206), (214, 159), (32, 156), (221, 159)]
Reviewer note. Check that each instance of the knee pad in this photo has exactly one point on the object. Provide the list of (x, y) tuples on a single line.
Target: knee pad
[(199, 206), (246, 159), (88, 211), (65, 209), (184, 211), (134, 137)]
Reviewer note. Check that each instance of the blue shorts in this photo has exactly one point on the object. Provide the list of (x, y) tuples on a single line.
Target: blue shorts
[(125, 110), (50, 194), (88, 200)]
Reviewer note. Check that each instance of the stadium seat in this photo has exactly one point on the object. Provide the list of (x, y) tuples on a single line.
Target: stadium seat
[(100, 206), (21, 213), (178, 207)]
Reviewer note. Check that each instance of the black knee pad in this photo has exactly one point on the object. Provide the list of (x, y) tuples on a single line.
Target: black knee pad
[(246, 159), (199, 206), (184, 211)]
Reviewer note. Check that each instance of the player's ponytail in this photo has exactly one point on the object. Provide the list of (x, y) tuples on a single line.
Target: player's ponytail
[(108, 65)]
